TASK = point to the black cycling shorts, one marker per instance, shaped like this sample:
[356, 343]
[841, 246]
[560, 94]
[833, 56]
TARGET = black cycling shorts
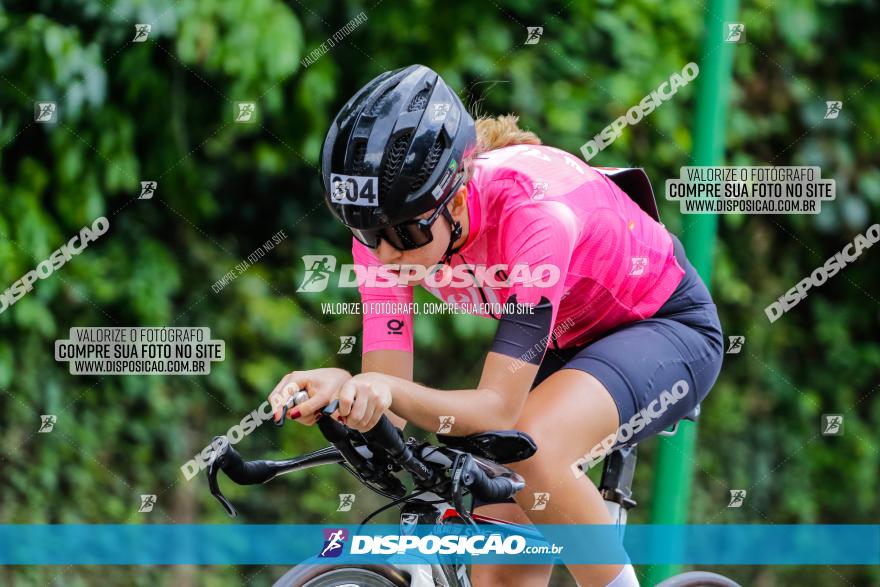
[637, 362]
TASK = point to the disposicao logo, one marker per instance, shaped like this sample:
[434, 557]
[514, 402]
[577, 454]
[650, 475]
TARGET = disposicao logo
[334, 541]
[320, 268]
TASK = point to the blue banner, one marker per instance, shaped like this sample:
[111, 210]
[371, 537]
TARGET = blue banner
[506, 544]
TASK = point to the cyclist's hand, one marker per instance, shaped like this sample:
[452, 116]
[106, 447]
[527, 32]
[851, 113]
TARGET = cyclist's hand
[322, 385]
[363, 400]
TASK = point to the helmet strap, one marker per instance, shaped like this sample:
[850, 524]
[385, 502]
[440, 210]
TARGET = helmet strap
[455, 234]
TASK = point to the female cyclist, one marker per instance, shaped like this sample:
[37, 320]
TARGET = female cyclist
[604, 321]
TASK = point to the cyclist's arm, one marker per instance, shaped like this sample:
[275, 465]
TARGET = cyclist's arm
[387, 326]
[398, 364]
[495, 404]
[507, 377]
[538, 236]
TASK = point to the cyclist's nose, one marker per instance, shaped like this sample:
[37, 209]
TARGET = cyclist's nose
[387, 253]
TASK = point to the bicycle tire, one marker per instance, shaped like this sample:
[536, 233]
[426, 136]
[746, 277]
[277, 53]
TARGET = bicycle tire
[336, 576]
[698, 579]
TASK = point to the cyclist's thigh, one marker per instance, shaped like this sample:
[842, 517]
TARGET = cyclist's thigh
[503, 575]
[656, 370]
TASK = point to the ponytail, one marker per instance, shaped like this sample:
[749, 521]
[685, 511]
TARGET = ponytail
[497, 132]
[502, 131]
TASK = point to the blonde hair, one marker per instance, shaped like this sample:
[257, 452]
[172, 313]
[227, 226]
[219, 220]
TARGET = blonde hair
[496, 132]
[502, 131]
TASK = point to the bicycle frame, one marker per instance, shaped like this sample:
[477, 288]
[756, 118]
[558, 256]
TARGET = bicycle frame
[427, 509]
[615, 486]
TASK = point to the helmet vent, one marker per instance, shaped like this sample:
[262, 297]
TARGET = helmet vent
[430, 163]
[394, 161]
[419, 101]
[380, 101]
[357, 162]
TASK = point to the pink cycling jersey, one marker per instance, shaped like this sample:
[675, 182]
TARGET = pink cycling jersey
[533, 209]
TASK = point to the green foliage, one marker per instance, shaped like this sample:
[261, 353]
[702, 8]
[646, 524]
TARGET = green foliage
[163, 110]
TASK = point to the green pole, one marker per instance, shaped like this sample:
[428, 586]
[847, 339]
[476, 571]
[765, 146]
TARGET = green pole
[675, 464]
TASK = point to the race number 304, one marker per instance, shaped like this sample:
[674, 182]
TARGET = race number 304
[355, 190]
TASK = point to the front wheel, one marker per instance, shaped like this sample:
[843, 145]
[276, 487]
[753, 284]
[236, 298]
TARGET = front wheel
[335, 576]
[698, 579]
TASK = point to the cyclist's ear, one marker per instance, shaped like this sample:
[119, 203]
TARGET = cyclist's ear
[458, 204]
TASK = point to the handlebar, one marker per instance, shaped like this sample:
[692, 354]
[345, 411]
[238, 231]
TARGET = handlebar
[489, 489]
[373, 457]
[473, 476]
[389, 437]
[244, 472]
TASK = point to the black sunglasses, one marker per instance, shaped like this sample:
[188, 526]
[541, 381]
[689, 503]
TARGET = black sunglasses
[408, 235]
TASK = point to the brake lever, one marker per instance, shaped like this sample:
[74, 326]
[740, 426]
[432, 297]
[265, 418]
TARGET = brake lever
[213, 467]
[462, 461]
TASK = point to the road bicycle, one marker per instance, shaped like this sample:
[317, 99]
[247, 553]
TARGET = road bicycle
[443, 476]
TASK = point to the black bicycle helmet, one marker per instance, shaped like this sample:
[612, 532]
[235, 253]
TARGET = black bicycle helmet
[395, 149]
